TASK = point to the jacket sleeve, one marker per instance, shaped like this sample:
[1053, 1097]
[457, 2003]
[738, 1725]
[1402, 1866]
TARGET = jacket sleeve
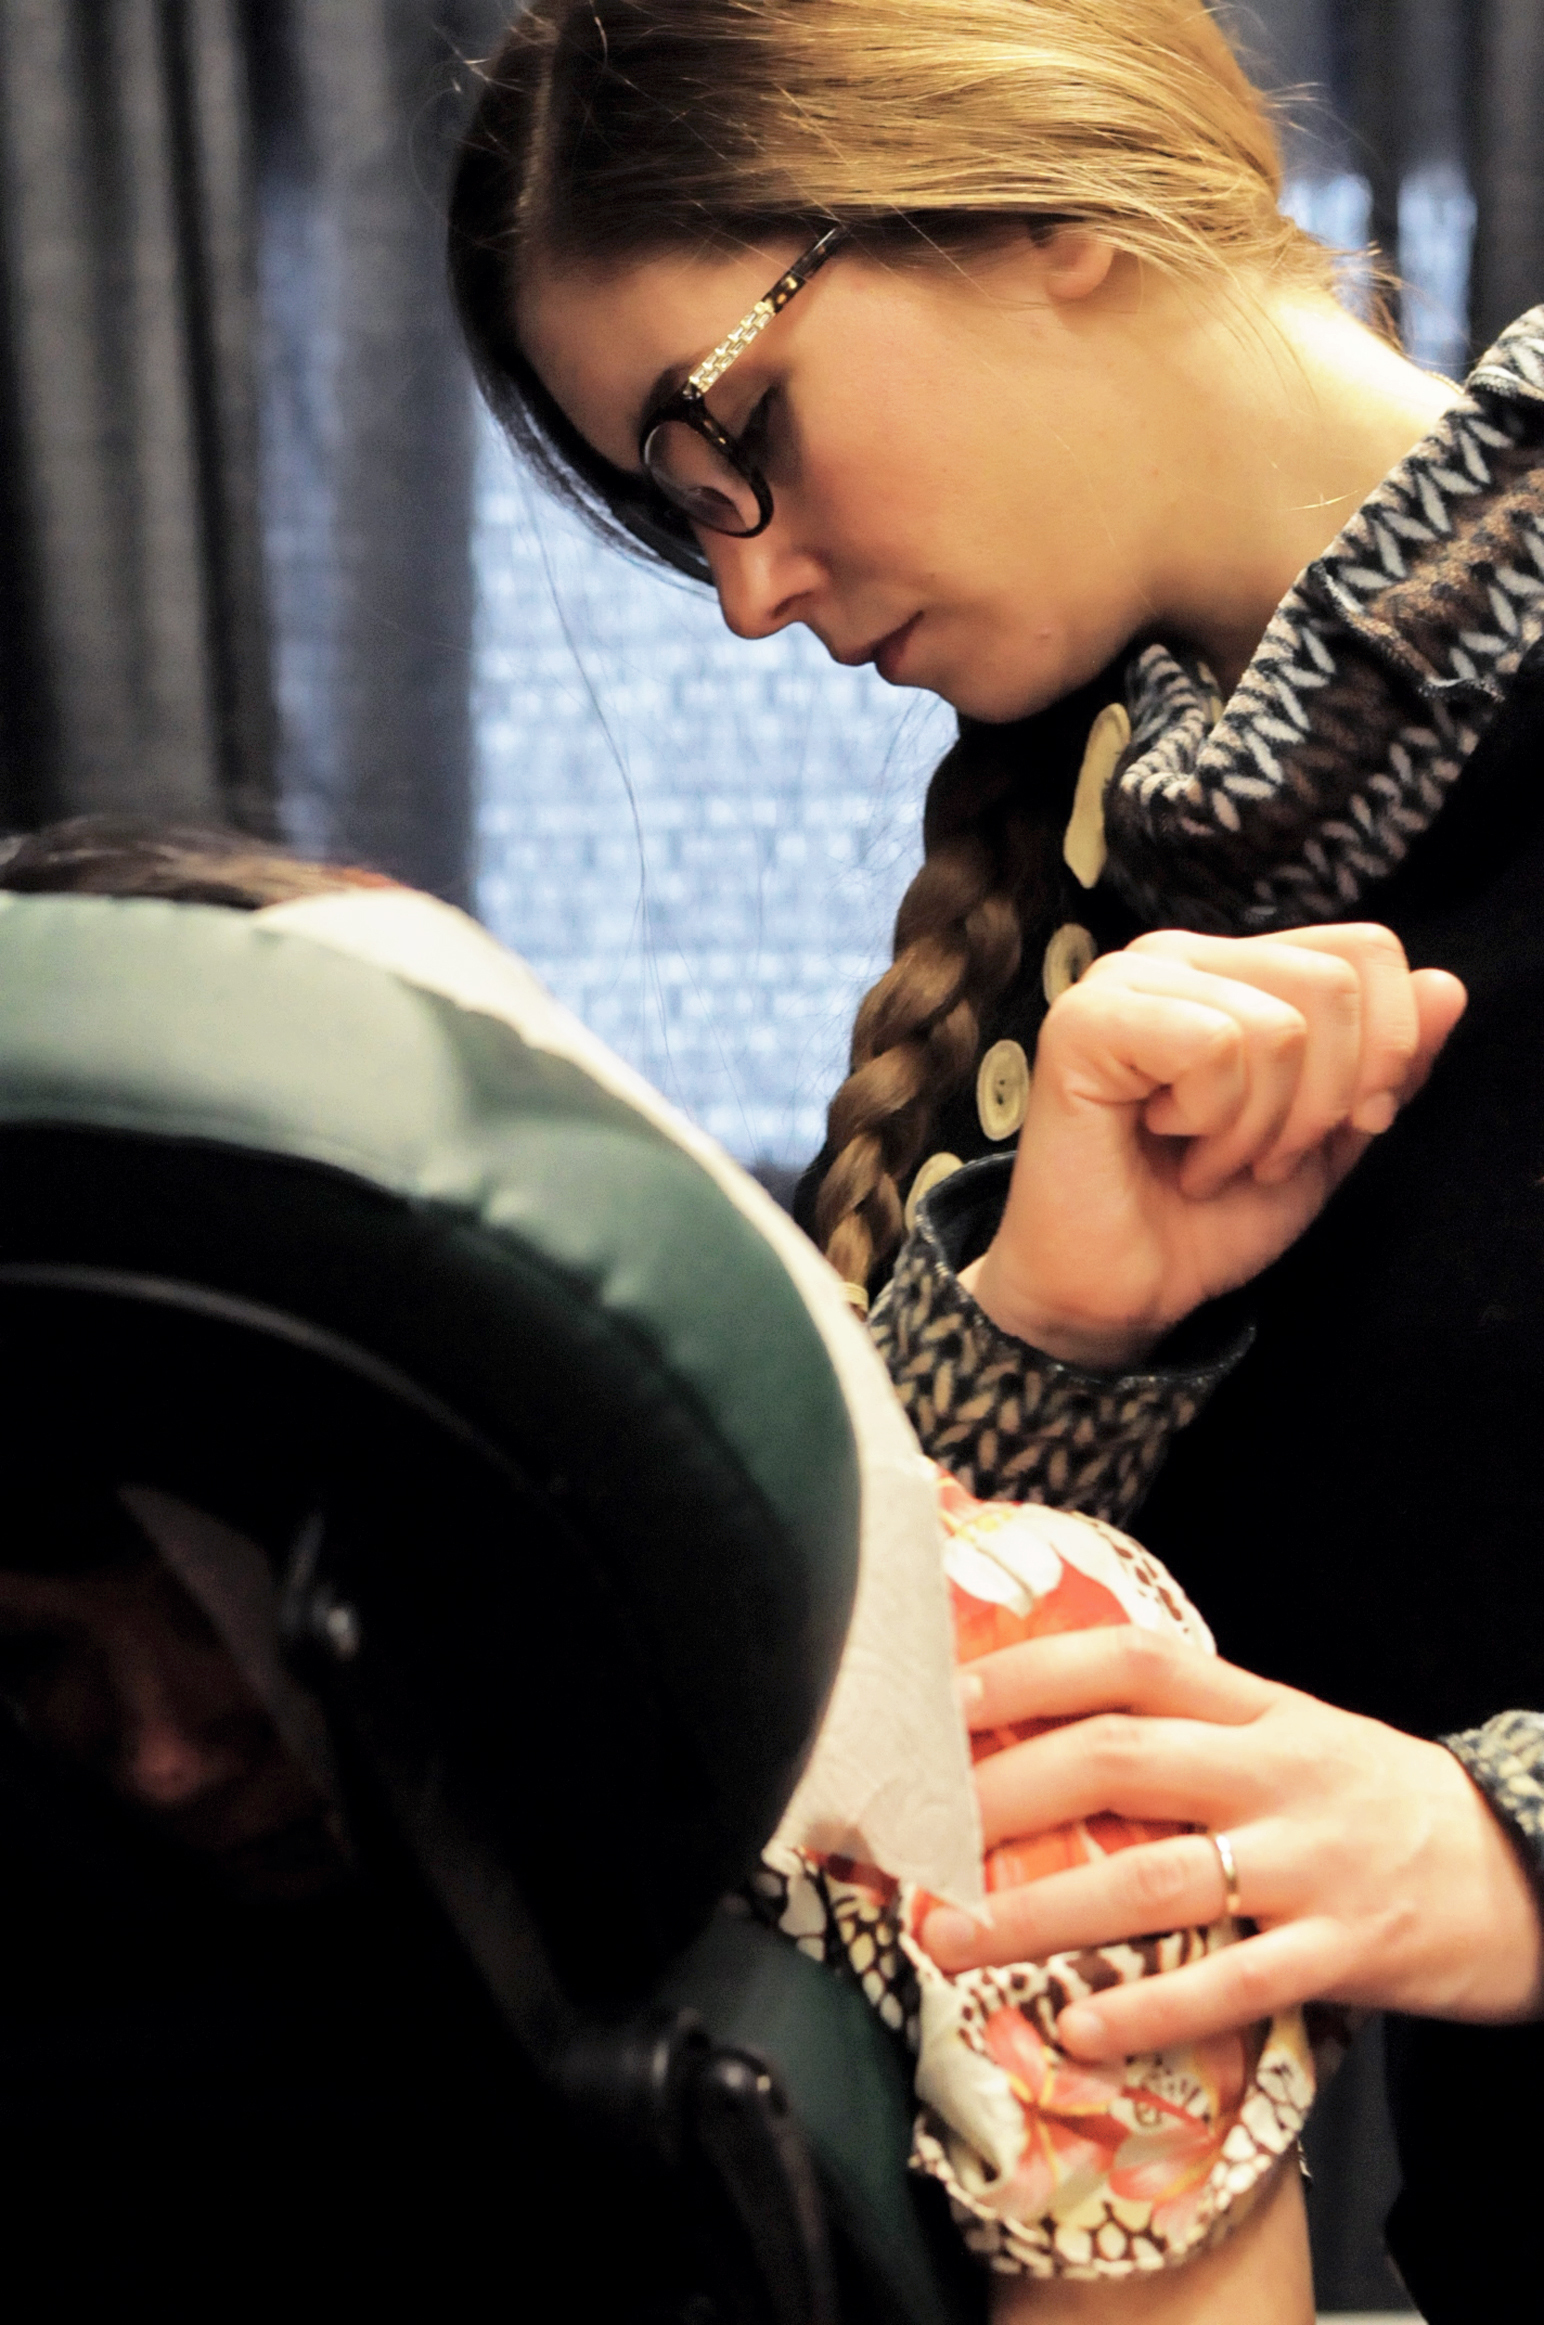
[1011, 1423]
[1506, 1760]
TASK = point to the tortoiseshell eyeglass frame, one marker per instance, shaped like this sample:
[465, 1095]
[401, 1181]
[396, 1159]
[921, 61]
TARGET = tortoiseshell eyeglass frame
[688, 403]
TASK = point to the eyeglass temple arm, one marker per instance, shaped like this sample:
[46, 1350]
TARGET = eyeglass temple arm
[714, 366]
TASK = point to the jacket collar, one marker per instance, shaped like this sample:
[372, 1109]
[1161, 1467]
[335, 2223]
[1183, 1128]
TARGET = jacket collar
[1376, 680]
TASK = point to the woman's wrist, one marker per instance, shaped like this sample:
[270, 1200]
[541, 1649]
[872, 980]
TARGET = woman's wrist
[1094, 1344]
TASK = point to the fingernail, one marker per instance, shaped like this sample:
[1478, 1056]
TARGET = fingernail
[971, 1689]
[946, 1932]
[1376, 1114]
[1080, 2029]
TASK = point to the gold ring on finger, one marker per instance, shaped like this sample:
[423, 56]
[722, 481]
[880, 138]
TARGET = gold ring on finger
[1229, 1863]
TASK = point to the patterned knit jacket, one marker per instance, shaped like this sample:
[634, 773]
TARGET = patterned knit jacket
[1344, 1465]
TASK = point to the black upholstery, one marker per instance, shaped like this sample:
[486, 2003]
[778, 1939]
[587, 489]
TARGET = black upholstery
[484, 1358]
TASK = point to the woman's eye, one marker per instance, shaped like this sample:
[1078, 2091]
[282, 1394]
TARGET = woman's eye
[25, 1658]
[754, 436]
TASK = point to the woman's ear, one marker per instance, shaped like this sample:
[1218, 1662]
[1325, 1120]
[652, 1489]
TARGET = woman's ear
[1075, 262]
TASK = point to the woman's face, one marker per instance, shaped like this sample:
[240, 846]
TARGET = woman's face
[959, 498]
[121, 1673]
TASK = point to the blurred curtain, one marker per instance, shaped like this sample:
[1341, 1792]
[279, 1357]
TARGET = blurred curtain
[1508, 162]
[235, 428]
[131, 587]
[1438, 107]
[367, 479]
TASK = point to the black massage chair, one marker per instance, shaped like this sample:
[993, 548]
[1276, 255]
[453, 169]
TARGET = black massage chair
[558, 1492]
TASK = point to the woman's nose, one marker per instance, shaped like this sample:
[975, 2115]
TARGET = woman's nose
[166, 1763]
[763, 584]
[175, 1740]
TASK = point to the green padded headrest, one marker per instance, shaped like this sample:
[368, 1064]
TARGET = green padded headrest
[282, 1228]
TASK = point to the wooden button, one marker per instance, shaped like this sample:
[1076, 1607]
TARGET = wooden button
[1002, 1089]
[933, 1173]
[1083, 847]
[1070, 951]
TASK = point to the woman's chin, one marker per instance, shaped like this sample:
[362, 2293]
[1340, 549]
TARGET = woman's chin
[303, 1860]
[998, 694]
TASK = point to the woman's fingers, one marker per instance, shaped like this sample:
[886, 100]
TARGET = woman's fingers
[1126, 1668]
[1238, 1986]
[1390, 1023]
[1440, 1001]
[1186, 1123]
[1291, 1060]
[1256, 1050]
[1133, 1027]
[1175, 1883]
[1208, 1058]
[1116, 1764]
[1328, 1059]
[1169, 1884]
[1407, 1014]
[1377, 1869]
[1353, 989]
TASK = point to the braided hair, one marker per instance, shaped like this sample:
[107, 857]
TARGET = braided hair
[959, 937]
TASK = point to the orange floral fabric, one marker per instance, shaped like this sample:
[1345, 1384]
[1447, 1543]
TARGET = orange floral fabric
[1055, 2168]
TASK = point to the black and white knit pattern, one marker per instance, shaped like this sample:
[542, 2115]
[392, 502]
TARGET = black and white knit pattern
[1011, 1423]
[1371, 688]
[1506, 1759]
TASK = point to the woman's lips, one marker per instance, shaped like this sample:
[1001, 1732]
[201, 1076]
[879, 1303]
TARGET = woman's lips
[891, 652]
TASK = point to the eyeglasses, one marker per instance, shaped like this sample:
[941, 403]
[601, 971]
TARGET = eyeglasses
[703, 471]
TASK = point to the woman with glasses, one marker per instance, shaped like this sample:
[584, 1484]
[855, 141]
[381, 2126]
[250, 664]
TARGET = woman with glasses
[1049, 410]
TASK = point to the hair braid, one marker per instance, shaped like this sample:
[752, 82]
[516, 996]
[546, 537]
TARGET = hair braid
[958, 939]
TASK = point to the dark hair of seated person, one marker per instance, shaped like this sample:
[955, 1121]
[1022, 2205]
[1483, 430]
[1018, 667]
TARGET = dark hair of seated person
[121, 855]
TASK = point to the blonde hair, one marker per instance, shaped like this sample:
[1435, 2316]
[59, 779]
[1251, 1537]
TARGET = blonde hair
[611, 128]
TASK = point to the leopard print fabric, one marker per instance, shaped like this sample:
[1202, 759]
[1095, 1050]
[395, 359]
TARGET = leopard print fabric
[1506, 1759]
[1052, 2167]
[841, 1916]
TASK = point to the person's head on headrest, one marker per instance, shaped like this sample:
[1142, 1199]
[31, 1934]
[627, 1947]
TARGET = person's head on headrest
[122, 855]
[107, 1657]
[110, 1663]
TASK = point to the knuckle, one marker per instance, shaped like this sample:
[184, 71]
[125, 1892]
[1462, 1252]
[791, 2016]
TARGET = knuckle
[1325, 973]
[1087, 998]
[1145, 1655]
[1284, 1034]
[1252, 1980]
[1219, 1040]
[1341, 983]
[1104, 980]
[1116, 1740]
[1401, 1046]
[1158, 1880]
[1069, 1032]
[1377, 943]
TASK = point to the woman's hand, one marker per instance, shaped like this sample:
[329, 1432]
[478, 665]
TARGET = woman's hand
[1195, 1102]
[1371, 1864]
